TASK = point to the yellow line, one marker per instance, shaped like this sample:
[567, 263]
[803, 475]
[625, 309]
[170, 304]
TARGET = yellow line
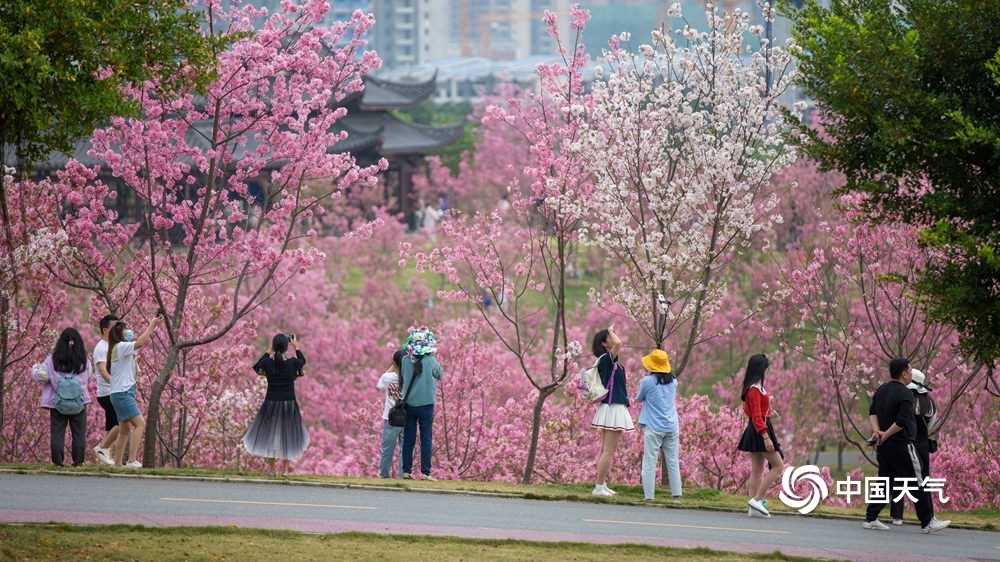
[264, 503]
[688, 526]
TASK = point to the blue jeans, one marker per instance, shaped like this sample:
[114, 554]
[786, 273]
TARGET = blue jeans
[424, 416]
[392, 438]
[655, 443]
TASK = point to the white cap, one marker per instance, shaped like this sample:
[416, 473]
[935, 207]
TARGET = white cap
[917, 382]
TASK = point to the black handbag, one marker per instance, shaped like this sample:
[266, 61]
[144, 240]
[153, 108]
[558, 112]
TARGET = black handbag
[397, 414]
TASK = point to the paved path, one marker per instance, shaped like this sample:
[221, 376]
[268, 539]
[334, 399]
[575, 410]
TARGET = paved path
[327, 509]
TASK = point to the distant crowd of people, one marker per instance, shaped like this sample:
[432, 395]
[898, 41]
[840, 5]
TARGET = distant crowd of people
[900, 416]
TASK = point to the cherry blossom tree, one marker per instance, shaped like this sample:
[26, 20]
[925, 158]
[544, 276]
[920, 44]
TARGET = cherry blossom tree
[517, 258]
[226, 180]
[682, 138]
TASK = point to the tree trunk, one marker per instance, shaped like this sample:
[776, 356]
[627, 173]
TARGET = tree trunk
[536, 422]
[4, 337]
[153, 413]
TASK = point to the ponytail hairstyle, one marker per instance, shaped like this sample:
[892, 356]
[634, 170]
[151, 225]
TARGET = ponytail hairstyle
[397, 359]
[116, 335]
[280, 346]
[597, 344]
[419, 342]
[69, 356]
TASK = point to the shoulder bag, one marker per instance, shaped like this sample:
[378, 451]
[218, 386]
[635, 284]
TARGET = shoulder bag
[397, 414]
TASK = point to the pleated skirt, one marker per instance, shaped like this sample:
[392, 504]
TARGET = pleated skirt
[278, 431]
[752, 442]
[615, 417]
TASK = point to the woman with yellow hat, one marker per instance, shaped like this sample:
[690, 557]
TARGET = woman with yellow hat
[660, 423]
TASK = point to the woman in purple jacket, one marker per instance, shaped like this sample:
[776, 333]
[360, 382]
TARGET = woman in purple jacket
[68, 360]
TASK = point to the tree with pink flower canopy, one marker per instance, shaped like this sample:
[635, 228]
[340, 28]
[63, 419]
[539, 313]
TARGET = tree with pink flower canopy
[515, 258]
[226, 179]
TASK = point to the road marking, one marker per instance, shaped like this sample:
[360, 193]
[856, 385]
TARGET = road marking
[688, 526]
[197, 500]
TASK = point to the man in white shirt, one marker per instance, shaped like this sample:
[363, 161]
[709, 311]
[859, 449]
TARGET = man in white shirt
[103, 449]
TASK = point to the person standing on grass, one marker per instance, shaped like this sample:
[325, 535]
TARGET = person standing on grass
[67, 361]
[612, 418]
[122, 364]
[758, 438]
[420, 369]
[660, 424]
[925, 414]
[392, 437]
[103, 378]
[278, 432]
[891, 417]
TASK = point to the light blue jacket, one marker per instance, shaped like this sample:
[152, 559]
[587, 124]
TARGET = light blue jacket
[659, 411]
[424, 386]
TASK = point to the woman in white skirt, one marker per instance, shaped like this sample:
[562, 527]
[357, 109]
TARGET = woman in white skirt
[612, 417]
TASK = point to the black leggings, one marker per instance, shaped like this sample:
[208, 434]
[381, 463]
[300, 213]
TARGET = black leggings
[57, 436]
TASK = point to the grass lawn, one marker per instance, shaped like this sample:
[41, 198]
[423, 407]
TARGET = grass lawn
[120, 542]
[694, 498]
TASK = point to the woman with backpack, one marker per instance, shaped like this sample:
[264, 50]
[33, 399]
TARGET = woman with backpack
[64, 376]
[612, 417]
[421, 371]
[278, 431]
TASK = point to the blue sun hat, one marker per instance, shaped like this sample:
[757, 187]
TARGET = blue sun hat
[420, 341]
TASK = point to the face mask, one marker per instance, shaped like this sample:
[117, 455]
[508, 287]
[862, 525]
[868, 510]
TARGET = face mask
[129, 335]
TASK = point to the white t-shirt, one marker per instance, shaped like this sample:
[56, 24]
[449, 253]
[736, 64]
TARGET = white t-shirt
[101, 356]
[389, 382]
[122, 367]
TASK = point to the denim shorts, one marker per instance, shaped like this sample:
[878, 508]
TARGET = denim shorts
[124, 403]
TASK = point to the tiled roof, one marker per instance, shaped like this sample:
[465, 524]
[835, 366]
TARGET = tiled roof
[368, 125]
[394, 136]
[383, 94]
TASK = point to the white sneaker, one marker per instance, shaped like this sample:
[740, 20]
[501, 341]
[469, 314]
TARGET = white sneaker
[600, 490]
[758, 507]
[613, 493]
[935, 525]
[876, 525]
[103, 455]
[751, 512]
[133, 464]
[897, 521]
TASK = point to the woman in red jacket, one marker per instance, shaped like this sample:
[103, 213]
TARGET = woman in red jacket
[758, 438]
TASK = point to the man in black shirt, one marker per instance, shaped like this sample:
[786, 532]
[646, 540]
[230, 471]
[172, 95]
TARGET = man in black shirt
[893, 429]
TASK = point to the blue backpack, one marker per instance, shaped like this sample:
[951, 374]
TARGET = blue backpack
[69, 396]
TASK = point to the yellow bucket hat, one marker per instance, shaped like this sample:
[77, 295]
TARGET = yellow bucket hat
[657, 362]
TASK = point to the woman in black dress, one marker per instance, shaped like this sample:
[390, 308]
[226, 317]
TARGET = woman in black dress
[278, 431]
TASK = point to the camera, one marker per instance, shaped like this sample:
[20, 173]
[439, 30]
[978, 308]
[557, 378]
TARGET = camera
[290, 336]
